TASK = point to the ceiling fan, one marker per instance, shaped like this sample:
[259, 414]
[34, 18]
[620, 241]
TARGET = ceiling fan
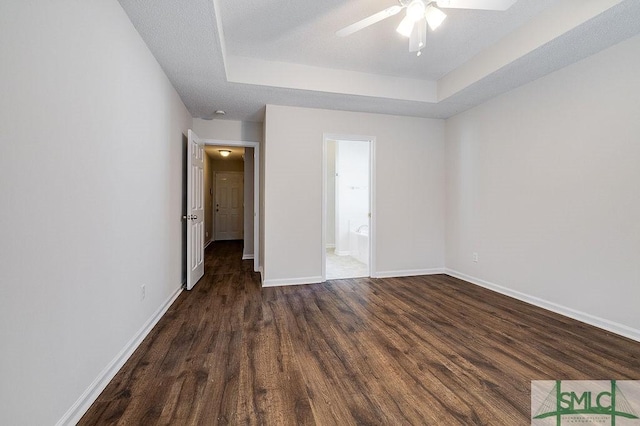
[419, 14]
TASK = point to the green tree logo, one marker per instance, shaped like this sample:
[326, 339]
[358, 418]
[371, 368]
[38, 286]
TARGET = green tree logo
[611, 402]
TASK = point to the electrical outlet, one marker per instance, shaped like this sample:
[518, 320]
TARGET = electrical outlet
[143, 291]
[475, 257]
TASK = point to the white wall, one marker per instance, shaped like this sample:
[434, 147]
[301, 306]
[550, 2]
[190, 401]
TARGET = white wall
[409, 198]
[262, 174]
[330, 234]
[544, 182]
[91, 149]
[208, 199]
[249, 173]
[231, 130]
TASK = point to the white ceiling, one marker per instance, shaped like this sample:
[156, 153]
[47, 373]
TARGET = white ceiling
[303, 32]
[238, 55]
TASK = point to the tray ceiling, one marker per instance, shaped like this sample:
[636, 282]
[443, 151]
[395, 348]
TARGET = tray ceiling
[239, 55]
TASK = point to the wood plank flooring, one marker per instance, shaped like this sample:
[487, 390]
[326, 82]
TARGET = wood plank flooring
[428, 350]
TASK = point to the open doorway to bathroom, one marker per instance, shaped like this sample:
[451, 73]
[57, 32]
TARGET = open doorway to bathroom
[347, 208]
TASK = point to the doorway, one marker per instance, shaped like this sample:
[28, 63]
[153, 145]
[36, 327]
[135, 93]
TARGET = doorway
[347, 246]
[228, 197]
[248, 196]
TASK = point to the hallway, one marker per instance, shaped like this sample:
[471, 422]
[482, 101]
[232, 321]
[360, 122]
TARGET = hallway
[187, 369]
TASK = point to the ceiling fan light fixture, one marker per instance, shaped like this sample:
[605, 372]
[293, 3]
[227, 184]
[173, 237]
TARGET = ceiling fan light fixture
[434, 17]
[416, 10]
[422, 15]
[406, 27]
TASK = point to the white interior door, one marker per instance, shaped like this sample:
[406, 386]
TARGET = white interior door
[229, 198]
[195, 210]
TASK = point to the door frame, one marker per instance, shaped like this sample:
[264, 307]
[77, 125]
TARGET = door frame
[256, 191]
[372, 194]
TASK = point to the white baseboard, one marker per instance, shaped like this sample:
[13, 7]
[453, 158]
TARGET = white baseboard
[208, 242]
[331, 246]
[407, 273]
[602, 323]
[247, 256]
[291, 281]
[77, 410]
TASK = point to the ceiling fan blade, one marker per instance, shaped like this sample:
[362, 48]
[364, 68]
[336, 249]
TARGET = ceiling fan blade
[476, 4]
[348, 30]
[418, 37]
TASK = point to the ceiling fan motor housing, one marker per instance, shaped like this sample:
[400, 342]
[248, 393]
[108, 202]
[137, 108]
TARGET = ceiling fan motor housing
[416, 9]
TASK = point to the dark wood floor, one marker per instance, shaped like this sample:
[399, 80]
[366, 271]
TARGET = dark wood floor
[423, 350]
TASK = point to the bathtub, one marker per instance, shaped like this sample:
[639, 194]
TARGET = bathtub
[360, 239]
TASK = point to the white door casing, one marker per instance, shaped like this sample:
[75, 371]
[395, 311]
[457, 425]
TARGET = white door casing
[229, 199]
[195, 210]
